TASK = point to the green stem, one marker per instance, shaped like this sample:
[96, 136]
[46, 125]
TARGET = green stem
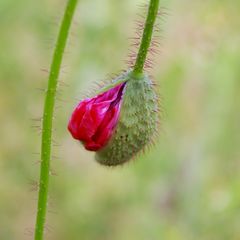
[48, 117]
[147, 37]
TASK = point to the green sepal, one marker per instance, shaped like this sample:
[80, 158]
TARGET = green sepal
[138, 121]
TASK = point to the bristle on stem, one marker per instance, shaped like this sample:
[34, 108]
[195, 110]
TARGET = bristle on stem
[146, 37]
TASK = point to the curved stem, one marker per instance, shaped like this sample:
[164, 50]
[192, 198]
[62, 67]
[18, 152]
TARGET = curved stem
[147, 37]
[48, 116]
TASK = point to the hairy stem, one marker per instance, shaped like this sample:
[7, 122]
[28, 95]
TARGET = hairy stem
[147, 37]
[48, 117]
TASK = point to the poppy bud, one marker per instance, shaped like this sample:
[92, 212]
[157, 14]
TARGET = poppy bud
[118, 123]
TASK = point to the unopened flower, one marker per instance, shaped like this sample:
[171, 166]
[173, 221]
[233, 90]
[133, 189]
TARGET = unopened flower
[120, 122]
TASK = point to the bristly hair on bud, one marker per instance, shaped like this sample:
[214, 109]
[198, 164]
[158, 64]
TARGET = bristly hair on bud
[123, 117]
[137, 124]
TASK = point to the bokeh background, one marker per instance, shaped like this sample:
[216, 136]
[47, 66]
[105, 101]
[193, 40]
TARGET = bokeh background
[186, 187]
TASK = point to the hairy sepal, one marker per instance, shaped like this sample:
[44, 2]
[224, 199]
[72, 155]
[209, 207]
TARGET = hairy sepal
[138, 122]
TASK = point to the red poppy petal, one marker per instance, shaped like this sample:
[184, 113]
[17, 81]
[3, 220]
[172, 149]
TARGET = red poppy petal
[92, 146]
[106, 128]
[98, 110]
[87, 127]
[94, 120]
[111, 94]
[76, 118]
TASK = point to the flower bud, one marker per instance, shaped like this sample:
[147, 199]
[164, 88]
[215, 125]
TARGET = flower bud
[118, 123]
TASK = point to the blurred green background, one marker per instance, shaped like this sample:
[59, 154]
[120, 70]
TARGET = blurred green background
[185, 188]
